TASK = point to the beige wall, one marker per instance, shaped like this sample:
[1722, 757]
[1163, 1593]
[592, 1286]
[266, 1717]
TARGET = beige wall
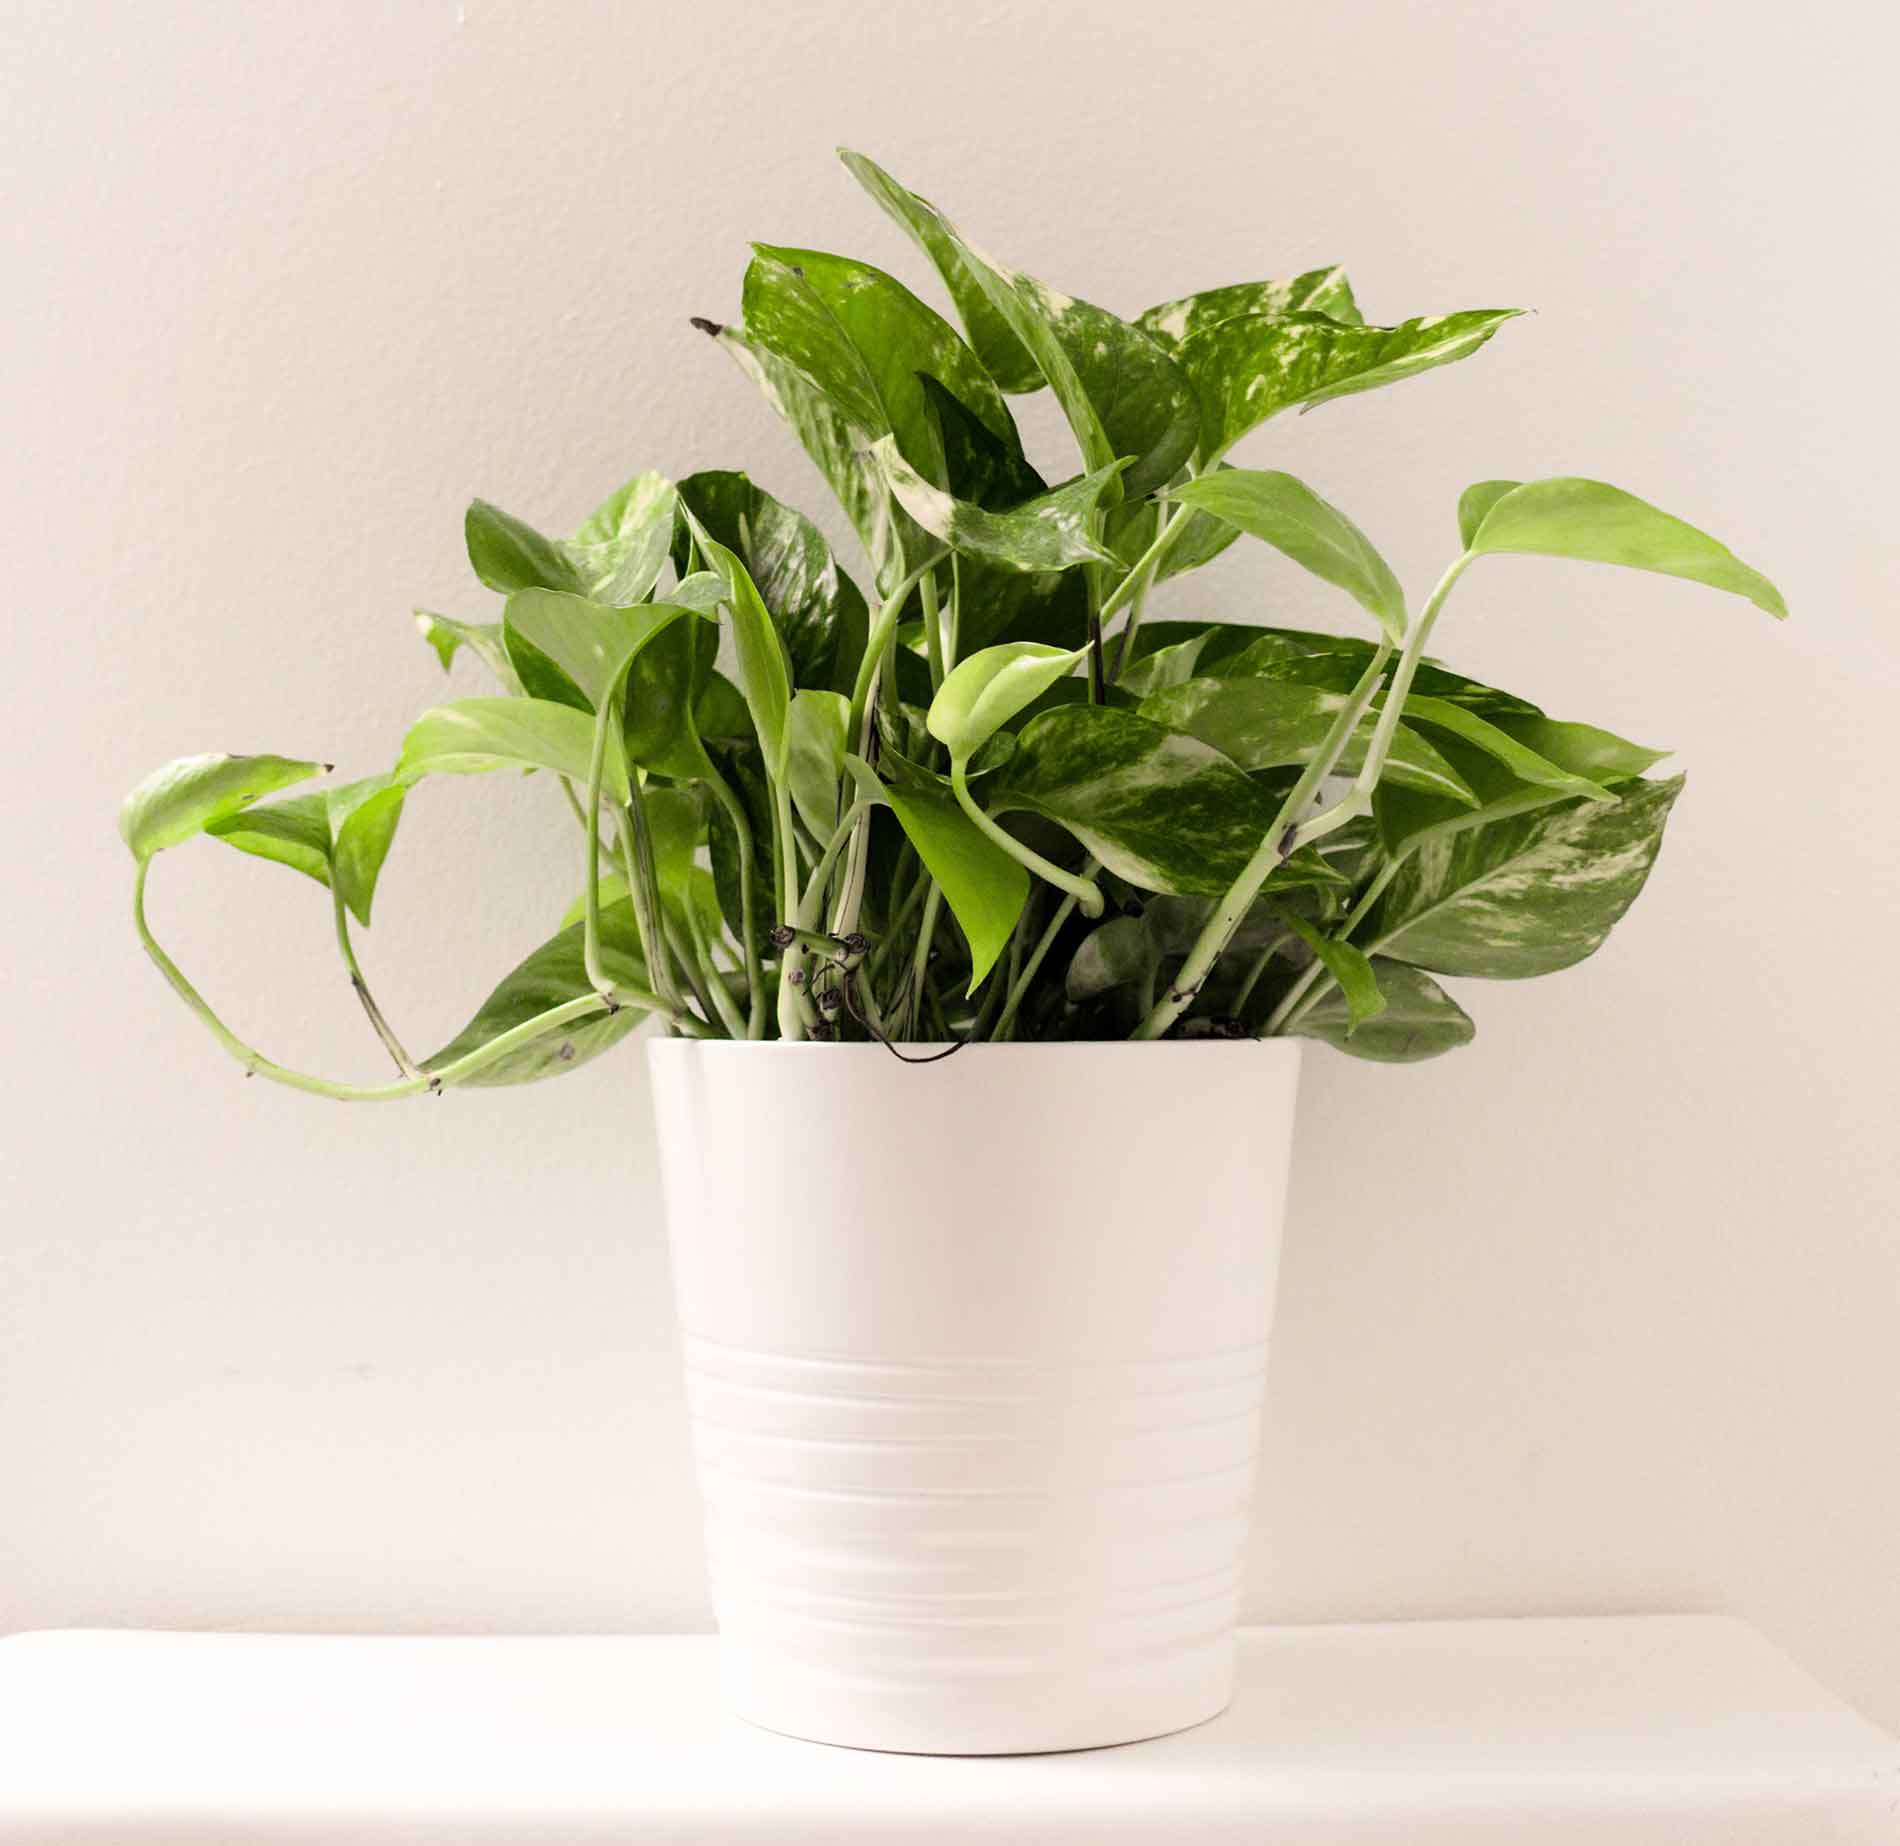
[1600, 1314]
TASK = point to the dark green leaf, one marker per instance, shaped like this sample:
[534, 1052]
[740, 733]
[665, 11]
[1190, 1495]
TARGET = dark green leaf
[1420, 1020]
[1118, 953]
[509, 555]
[1567, 517]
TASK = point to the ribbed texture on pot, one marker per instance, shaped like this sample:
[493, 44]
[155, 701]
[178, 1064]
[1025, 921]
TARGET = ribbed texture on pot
[975, 1480]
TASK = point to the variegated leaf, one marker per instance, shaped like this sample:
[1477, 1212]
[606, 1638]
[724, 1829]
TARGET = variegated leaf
[621, 547]
[1317, 291]
[1419, 1019]
[1524, 896]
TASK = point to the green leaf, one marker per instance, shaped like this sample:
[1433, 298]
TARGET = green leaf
[1173, 665]
[1581, 748]
[670, 676]
[1118, 953]
[984, 887]
[339, 835]
[835, 449]
[1318, 291]
[1288, 515]
[473, 736]
[983, 692]
[1272, 724]
[622, 545]
[863, 338]
[817, 724]
[1567, 517]
[482, 639]
[1201, 539]
[1420, 1020]
[1253, 366]
[1523, 896]
[1475, 502]
[508, 555]
[1518, 757]
[817, 609]
[295, 833]
[1353, 973]
[555, 973]
[1048, 533]
[186, 796]
[587, 643]
[1161, 810]
[763, 677]
[1004, 356]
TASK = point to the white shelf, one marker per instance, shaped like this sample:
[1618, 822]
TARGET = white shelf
[1684, 1730]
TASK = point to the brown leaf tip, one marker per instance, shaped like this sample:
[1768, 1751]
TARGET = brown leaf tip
[711, 328]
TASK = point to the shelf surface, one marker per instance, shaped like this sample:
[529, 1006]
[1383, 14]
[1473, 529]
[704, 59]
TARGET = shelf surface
[1684, 1730]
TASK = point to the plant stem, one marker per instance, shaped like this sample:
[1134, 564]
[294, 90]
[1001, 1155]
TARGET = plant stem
[793, 1010]
[1087, 894]
[926, 931]
[470, 1064]
[1273, 849]
[1135, 586]
[741, 824]
[877, 643]
[643, 888]
[391, 1043]
[1019, 987]
[933, 632]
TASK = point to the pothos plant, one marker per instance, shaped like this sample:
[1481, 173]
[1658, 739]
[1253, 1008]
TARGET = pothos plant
[992, 800]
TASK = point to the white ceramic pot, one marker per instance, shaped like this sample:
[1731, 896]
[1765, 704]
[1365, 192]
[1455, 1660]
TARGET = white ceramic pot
[975, 1354]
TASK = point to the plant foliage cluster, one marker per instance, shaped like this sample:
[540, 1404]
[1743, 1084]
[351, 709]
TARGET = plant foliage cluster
[984, 797]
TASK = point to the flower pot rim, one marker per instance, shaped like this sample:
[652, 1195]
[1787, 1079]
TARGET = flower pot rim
[922, 1049]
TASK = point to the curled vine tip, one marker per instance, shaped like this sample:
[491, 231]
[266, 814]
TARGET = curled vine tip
[857, 943]
[710, 328]
[781, 935]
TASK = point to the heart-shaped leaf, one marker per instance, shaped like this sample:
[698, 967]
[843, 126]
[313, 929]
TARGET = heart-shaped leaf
[1567, 517]
[1318, 291]
[338, 836]
[587, 644]
[1292, 518]
[1048, 533]
[1254, 366]
[1522, 896]
[508, 554]
[186, 796]
[763, 676]
[1419, 1019]
[982, 693]
[474, 736]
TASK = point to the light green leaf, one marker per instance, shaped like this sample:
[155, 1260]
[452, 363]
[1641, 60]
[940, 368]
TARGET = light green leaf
[1518, 757]
[984, 887]
[188, 795]
[817, 725]
[622, 545]
[613, 890]
[1003, 355]
[1567, 517]
[1581, 748]
[587, 643]
[1161, 810]
[1048, 533]
[1420, 1020]
[1318, 291]
[1173, 665]
[763, 676]
[1475, 502]
[295, 833]
[1353, 973]
[816, 608]
[1524, 896]
[1253, 366]
[982, 693]
[482, 639]
[1288, 515]
[339, 835]
[555, 973]
[1273, 723]
[473, 736]
[509, 555]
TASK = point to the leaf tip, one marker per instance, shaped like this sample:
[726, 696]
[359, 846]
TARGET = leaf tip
[710, 328]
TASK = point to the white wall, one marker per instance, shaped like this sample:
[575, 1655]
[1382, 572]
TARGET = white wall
[1599, 1314]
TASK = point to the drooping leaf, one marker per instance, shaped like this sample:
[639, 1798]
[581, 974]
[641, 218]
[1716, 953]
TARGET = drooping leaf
[818, 723]
[1288, 515]
[1317, 291]
[983, 692]
[1254, 366]
[1161, 810]
[555, 973]
[1003, 355]
[1419, 1020]
[1567, 517]
[363, 817]
[1523, 896]
[1048, 533]
[984, 887]
[508, 555]
[817, 609]
[1270, 723]
[763, 677]
[1357, 982]
[473, 736]
[295, 833]
[622, 545]
[186, 796]
[482, 639]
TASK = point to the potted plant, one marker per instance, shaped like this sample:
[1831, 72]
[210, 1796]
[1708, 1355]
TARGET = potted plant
[976, 1370]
